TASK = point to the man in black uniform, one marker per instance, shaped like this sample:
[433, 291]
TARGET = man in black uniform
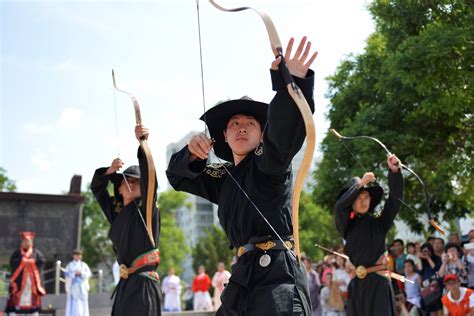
[138, 292]
[266, 279]
[370, 293]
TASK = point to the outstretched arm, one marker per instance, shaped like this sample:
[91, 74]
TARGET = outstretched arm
[285, 131]
[395, 185]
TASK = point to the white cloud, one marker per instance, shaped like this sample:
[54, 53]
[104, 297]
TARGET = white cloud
[41, 159]
[70, 116]
[38, 129]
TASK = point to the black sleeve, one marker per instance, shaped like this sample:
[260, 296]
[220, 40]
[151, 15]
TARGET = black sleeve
[15, 260]
[39, 259]
[285, 131]
[392, 205]
[195, 177]
[343, 208]
[99, 189]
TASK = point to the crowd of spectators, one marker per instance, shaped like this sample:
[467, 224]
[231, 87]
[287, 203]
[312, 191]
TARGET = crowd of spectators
[440, 276]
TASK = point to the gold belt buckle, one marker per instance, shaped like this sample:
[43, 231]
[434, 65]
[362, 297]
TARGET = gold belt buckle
[123, 271]
[265, 245]
[240, 251]
[361, 272]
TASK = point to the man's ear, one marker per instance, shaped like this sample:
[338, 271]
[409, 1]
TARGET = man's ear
[225, 135]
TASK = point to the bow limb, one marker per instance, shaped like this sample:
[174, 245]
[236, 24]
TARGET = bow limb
[303, 106]
[150, 164]
[431, 219]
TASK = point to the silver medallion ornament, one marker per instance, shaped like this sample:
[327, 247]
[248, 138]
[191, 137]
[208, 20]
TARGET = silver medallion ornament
[265, 260]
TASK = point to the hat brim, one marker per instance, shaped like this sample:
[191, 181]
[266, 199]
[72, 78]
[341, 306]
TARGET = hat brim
[375, 192]
[116, 180]
[217, 117]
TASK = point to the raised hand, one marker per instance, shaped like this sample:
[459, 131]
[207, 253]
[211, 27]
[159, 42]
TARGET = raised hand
[116, 164]
[368, 177]
[299, 64]
[393, 163]
[199, 146]
[141, 132]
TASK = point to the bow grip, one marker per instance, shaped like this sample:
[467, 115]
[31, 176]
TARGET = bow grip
[285, 73]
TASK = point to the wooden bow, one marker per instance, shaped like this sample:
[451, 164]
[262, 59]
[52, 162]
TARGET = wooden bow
[151, 166]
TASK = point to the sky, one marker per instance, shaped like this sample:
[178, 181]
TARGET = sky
[59, 115]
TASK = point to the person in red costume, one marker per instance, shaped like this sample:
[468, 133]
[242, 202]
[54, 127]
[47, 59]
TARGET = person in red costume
[25, 288]
[201, 285]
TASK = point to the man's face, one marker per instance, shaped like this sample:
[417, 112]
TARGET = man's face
[134, 191]
[77, 256]
[438, 245]
[452, 285]
[454, 238]
[362, 203]
[26, 243]
[243, 134]
[398, 247]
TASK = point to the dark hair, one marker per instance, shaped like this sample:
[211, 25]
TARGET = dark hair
[430, 248]
[453, 245]
[411, 244]
[438, 238]
[398, 240]
[410, 261]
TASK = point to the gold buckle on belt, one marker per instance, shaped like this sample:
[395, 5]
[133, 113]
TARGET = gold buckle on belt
[123, 271]
[361, 272]
[265, 245]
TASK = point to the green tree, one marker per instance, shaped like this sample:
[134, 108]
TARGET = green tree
[412, 89]
[173, 247]
[316, 226]
[6, 184]
[211, 249]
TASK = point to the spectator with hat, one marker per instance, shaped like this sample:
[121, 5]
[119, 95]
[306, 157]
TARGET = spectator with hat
[77, 286]
[459, 301]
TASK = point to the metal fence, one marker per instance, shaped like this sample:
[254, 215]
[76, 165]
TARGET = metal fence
[96, 280]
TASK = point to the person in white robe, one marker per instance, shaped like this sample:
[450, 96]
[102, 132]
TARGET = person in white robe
[220, 278]
[77, 286]
[172, 291]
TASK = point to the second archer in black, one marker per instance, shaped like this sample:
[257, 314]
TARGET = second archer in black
[138, 292]
[370, 293]
[261, 141]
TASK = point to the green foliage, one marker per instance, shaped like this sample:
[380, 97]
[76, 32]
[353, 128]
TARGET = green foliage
[173, 247]
[412, 89]
[6, 184]
[211, 249]
[316, 226]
